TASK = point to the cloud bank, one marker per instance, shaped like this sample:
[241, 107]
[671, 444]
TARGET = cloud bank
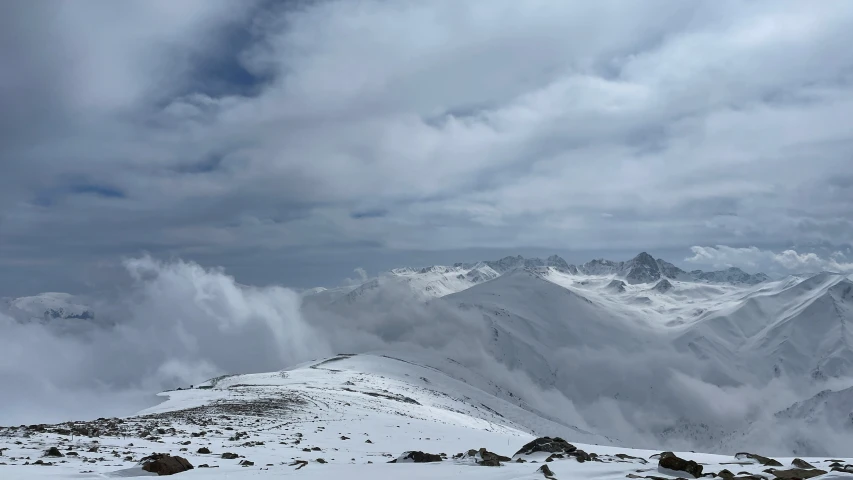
[231, 133]
[786, 261]
[175, 323]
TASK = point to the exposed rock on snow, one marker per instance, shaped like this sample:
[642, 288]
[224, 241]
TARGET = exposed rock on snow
[800, 463]
[662, 286]
[165, 464]
[546, 444]
[767, 462]
[417, 457]
[670, 461]
[796, 473]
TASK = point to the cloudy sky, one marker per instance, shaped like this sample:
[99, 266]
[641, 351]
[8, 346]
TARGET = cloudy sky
[293, 141]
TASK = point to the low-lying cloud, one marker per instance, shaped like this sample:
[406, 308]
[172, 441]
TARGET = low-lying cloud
[785, 261]
[175, 323]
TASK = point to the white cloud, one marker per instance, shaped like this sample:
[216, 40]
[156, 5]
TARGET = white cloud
[483, 124]
[753, 258]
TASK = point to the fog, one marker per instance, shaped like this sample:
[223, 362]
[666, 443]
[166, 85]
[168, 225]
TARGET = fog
[173, 324]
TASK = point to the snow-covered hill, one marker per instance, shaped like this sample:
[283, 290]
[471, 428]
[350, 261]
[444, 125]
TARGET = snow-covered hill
[344, 417]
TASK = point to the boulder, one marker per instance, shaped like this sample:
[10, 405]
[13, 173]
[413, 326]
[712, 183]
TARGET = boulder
[767, 462]
[800, 463]
[165, 464]
[545, 471]
[673, 462]
[203, 450]
[490, 459]
[547, 445]
[53, 452]
[229, 456]
[797, 473]
[417, 457]
[580, 456]
[725, 474]
[623, 456]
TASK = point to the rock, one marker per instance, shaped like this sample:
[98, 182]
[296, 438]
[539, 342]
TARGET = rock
[845, 468]
[624, 456]
[368, 441]
[767, 462]
[616, 285]
[797, 473]
[580, 456]
[71, 454]
[246, 463]
[545, 471]
[548, 445]
[417, 457]
[165, 464]
[53, 452]
[203, 450]
[662, 286]
[658, 456]
[320, 460]
[490, 459]
[93, 449]
[673, 462]
[343, 437]
[203, 465]
[726, 474]
[229, 456]
[800, 463]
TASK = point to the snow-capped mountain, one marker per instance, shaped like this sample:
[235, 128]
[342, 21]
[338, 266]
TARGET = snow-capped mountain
[437, 281]
[47, 307]
[800, 328]
[725, 328]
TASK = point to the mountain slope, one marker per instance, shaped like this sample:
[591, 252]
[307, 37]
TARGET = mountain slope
[800, 328]
[342, 417]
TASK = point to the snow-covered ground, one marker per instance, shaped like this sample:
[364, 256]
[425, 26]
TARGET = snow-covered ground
[346, 416]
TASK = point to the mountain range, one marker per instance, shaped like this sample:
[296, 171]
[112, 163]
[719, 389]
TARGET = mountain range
[632, 353]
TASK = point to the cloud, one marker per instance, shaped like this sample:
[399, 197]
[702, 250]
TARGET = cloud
[254, 126]
[361, 277]
[755, 259]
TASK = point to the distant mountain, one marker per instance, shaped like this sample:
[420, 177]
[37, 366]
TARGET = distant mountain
[47, 307]
[438, 280]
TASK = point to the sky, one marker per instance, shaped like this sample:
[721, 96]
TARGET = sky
[292, 142]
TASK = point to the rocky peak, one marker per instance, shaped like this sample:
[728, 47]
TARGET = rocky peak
[662, 286]
[561, 265]
[642, 269]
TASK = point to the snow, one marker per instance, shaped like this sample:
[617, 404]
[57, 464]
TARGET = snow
[336, 405]
[47, 306]
[541, 317]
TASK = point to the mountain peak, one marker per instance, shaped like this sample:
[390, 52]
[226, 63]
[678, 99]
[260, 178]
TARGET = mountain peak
[642, 269]
[644, 257]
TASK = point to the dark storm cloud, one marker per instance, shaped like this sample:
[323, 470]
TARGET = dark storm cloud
[215, 128]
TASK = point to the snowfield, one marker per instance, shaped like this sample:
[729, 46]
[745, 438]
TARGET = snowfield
[344, 417]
